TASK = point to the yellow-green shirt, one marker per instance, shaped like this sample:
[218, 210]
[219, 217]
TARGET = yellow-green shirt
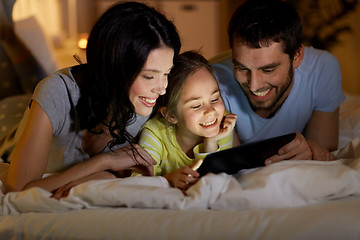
[158, 137]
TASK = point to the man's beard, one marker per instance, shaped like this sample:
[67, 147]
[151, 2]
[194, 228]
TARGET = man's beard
[275, 105]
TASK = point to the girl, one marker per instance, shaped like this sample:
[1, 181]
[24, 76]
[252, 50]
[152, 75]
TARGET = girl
[191, 122]
[81, 121]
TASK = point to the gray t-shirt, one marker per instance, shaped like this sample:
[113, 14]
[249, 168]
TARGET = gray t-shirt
[57, 95]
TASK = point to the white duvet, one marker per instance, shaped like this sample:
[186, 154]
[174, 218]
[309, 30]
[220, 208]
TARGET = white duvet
[285, 184]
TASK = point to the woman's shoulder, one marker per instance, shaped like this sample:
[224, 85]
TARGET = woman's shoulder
[58, 84]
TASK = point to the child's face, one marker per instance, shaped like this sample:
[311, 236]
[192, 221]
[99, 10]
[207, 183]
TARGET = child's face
[200, 108]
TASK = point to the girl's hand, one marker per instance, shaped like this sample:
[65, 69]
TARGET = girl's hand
[135, 159]
[226, 127]
[182, 178]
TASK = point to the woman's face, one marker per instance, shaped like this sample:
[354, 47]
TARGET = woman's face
[152, 80]
[200, 109]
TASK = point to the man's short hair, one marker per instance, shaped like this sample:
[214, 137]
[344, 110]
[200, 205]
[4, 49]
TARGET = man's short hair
[260, 22]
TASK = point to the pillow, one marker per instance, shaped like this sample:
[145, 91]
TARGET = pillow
[349, 119]
[11, 111]
[9, 84]
[30, 32]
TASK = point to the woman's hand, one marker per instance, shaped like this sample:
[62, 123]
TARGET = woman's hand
[63, 191]
[135, 159]
[297, 149]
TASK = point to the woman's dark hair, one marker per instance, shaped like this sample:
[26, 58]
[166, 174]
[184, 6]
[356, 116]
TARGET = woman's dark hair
[259, 22]
[185, 65]
[118, 47]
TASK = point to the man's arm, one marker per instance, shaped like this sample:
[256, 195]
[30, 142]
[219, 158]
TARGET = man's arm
[323, 129]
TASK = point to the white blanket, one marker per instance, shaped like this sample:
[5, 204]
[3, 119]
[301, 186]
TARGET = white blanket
[284, 184]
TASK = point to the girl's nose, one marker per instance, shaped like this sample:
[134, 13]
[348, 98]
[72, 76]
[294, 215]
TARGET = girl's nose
[209, 110]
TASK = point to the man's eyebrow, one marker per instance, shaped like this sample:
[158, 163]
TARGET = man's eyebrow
[267, 66]
[271, 65]
[238, 64]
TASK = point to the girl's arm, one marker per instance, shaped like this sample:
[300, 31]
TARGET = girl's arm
[29, 160]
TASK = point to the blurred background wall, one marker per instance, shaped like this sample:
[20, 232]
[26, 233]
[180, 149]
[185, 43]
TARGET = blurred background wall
[202, 24]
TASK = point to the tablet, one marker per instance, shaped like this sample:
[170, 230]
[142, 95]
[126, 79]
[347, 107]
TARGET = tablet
[250, 155]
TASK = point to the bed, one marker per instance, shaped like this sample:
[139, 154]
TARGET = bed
[287, 200]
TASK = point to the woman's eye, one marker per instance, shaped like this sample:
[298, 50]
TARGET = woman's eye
[148, 77]
[196, 106]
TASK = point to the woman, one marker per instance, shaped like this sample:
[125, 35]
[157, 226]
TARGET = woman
[82, 120]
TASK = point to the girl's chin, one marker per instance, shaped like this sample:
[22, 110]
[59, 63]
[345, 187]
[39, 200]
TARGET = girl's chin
[212, 134]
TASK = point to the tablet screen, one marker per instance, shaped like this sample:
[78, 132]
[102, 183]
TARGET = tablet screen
[250, 155]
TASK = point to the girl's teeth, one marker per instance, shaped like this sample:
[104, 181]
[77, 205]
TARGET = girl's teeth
[261, 94]
[208, 123]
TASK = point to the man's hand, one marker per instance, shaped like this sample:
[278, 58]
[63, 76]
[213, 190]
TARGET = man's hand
[319, 153]
[297, 149]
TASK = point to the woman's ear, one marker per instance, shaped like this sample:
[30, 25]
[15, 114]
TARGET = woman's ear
[299, 55]
[171, 118]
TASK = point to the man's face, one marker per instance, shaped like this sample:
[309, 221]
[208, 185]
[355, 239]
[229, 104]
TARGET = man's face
[265, 75]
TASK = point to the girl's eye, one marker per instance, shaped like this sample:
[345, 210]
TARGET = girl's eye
[196, 106]
[215, 100]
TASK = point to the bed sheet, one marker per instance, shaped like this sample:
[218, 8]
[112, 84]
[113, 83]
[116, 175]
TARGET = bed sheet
[288, 200]
[329, 220]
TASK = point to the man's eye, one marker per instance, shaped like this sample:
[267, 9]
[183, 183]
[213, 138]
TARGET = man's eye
[270, 70]
[196, 106]
[242, 70]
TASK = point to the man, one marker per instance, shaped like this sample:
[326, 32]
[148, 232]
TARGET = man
[276, 85]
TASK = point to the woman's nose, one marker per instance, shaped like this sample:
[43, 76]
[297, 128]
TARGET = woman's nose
[161, 86]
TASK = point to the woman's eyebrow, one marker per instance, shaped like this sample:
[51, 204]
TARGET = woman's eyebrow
[155, 70]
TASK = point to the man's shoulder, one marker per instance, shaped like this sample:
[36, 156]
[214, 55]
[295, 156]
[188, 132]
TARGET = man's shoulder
[313, 58]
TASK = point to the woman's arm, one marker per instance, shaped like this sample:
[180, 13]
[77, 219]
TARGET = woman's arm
[29, 160]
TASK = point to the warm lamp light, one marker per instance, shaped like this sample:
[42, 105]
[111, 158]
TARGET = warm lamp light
[82, 43]
[82, 40]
